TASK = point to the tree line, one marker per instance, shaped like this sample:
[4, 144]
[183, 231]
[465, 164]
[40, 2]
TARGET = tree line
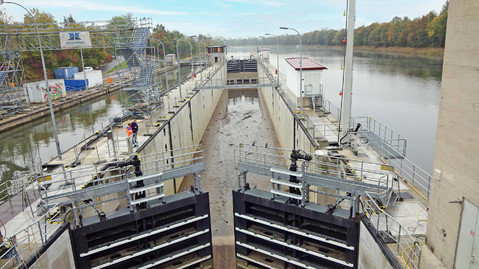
[422, 32]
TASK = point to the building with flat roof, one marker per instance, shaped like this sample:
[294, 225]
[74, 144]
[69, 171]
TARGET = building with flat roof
[216, 54]
[312, 72]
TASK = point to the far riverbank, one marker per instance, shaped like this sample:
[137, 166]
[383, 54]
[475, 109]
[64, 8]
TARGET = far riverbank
[400, 51]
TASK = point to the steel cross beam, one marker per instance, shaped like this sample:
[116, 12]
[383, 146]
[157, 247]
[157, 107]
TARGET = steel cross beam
[104, 34]
[323, 181]
[66, 197]
[239, 86]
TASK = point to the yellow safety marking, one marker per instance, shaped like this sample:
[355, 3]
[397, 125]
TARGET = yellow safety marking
[387, 167]
[54, 213]
[352, 170]
[47, 178]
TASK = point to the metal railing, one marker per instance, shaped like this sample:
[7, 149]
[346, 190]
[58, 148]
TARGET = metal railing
[22, 244]
[334, 166]
[361, 172]
[331, 108]
[12, 187]
[323, 130]
[413, 175]
[101, 126]
[16, 195]
[383, 139]
[408, 247]
[166, 160]
[66, 186]
[392, 146]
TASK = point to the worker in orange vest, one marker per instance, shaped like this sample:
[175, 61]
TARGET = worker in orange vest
[129, 130]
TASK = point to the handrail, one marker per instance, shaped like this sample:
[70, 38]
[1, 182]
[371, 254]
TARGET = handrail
[387, 225]
[83, 183]
[335, 173]
[392, 146]
[373, 127]
[26, 241]
[394, 154]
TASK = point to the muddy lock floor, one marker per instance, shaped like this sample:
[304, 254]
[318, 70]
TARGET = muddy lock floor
[240, 117]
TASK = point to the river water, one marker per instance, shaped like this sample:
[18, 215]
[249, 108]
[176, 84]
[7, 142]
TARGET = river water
[401, 92]
[33, 143]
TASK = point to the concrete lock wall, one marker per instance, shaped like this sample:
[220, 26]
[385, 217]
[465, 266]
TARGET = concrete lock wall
[288, 130]
[186, 127]
[58, 255]
[370, 254]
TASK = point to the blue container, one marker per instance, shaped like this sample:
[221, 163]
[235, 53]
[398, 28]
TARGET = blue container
[75, 84]
[65, 72]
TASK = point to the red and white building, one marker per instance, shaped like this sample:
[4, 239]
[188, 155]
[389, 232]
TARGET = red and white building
[312, 73]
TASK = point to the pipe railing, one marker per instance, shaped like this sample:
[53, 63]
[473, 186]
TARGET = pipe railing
[165, 160]
[68, 182]
[22, 244]
[355, 170]
[373, 128]
[331, 108]
[392, 146]
[407, 246]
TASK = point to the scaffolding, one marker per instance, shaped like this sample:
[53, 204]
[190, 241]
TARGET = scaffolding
[129, 36]
[143, 94]
[11, 77]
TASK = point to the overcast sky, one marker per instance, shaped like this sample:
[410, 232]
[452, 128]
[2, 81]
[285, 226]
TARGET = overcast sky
[232, 18]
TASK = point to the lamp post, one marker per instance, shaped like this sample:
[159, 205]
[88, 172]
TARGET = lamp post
[277, 54]
[199, 57]
[52, 113]
[199, 49]
[261, 38]
[300, 68]
[164, 62]
[178, 56]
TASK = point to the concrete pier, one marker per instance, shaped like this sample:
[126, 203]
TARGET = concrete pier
[453, 234]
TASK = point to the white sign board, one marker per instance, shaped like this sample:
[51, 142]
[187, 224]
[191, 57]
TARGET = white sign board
[75, 40]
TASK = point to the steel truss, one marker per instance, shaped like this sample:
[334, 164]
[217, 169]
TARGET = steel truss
[104, 34]
[11, 77]
[127, 36]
